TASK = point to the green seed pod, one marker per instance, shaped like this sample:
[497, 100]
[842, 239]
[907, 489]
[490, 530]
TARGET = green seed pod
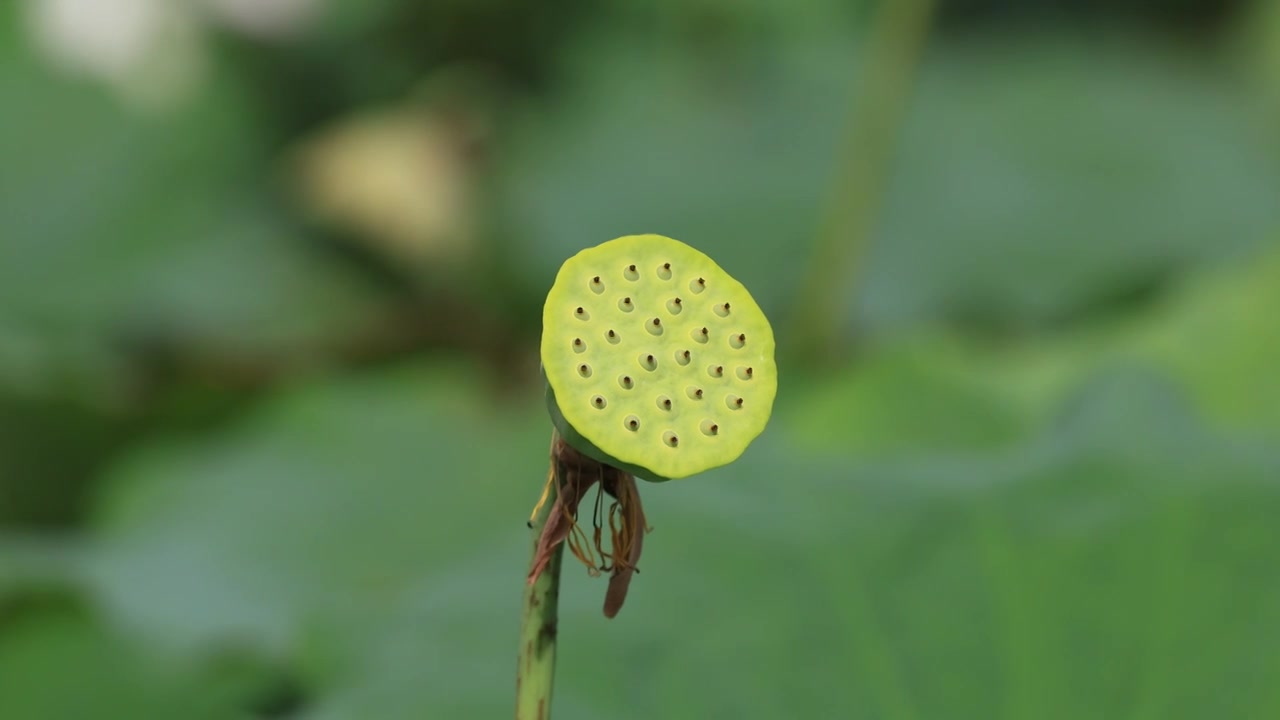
[656, 361]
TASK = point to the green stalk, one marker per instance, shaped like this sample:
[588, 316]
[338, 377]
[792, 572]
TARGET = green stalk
[894, 50]
[536, 666]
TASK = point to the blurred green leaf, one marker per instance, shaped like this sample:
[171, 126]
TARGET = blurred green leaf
[59, 665]
[1061, 174]
[1264, 30]
[49, 451]
[324, 509]
[125, 226]
[1220, 336]
[1215, 336]
[1086, 574]
[907, 398]
[1037, 179]
[1115, 562]
[1119, 564]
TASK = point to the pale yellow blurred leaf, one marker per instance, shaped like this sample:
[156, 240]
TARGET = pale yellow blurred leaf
[397, 178]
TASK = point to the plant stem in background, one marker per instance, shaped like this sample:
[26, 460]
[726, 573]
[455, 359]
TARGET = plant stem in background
[536, 664]
[896, 42]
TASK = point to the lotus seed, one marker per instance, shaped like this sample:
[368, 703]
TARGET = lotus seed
[682, 357]
[694, 393]
[625, 305]
[700, 335]
[733, 402]
[697, 286]
[737, 341]
[648, 363]
[722, 310]
[674, 306]
[632, 422]
[612, 337]
[625, 382]
[598, 401]
[584, 370]
[664, 272]
[744, 373]
[581, 313]
[597, 287]
[709, 428]
[670, 439]
[630, 273]
[664, 402]
[716, 371]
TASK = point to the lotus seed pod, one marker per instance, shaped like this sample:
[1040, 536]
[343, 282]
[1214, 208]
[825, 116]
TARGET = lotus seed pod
[656, 361]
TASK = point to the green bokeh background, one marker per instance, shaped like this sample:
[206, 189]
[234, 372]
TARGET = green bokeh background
[270, 418]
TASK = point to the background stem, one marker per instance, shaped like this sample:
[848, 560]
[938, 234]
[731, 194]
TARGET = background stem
[892, 57]
[535, 671]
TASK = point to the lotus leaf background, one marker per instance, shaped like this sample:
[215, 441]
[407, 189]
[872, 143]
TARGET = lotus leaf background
[270, 418]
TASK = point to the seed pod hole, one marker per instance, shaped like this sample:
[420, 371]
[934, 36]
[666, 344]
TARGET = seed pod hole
[683, 357]
[626, 382]
[722, 310]
[612, 337]
[709, 428]
[700, 335]
[675, 305]
[649, 362]
[598, 402]
[663, 402]
[596, 285]
[737, 341]
[631, 422]
[654, 326]
[670, 440]
[664, 272]
[625, 305]
[630, 273]
[745, 373]
[697, 286]
[584, 370]
[733, 402]
[579, 346]
[715, 370]
[581, 313]
[694, 393]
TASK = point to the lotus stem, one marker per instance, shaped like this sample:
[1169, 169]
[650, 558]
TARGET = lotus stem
[536, 663]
